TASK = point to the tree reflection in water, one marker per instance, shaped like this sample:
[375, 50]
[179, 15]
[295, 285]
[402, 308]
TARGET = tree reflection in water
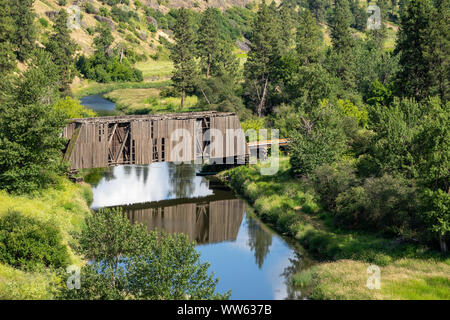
[259, 240]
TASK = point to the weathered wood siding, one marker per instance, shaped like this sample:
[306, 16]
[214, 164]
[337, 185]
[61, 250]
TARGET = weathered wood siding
[107, 141]
[211, 222]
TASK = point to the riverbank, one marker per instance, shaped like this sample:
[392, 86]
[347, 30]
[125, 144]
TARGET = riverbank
[408, 271]
[65, 206]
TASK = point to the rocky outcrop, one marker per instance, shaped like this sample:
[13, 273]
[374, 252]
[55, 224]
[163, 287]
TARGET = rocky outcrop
[51, 14]
[106, 20]
[152, 21]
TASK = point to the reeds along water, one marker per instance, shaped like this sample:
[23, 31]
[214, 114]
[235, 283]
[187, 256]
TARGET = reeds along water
[202, 222]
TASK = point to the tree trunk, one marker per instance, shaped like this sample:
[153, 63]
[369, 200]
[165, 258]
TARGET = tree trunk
[208, 66]
[263, 99]
[182, 99]
[443, 244]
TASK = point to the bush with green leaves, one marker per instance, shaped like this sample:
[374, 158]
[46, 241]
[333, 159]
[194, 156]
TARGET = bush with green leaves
[131, 263]
[30, 244]
[320, 139]
[387, 204]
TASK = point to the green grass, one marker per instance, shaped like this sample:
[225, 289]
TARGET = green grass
[148, 101]
[155, 69]
[292, 208]
[65, 206]
[89, 87]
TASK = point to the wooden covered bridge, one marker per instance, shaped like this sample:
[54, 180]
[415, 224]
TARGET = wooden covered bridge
[144, 139]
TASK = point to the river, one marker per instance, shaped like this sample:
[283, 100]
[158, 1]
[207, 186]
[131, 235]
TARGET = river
[249, 258]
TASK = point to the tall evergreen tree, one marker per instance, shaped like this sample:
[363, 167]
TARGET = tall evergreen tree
[438, 52]
[182, 55]
[319, 9]
[286, 16]
[7, 31]
[208, 39]
[340, 26]
[341, 57]
[262, 56]
[25, 36]
[413, 41]
[30, 128]
[62, 49]
[104, 40]
[309, 39]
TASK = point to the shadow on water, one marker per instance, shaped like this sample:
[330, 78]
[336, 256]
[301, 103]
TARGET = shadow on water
[248, 257]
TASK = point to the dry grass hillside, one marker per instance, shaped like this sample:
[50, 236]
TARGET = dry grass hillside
[134, 34]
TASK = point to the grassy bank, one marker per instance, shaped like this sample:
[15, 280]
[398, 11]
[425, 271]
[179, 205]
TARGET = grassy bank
[89, 87]
[149, 101]
[64, 206]
[408, 271]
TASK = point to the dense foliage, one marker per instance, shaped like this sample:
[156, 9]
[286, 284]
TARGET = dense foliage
[30, 142]
[108, 63]
[30, 244]
[132, 263]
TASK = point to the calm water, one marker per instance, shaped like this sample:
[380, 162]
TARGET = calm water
[98, 103]
[248, 257]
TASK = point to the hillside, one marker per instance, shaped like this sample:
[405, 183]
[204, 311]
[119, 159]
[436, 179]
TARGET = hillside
[135, 25]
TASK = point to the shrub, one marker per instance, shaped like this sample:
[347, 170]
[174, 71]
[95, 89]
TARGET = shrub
[386, 204]
[29, 244]
[62, 2]
[89, 8]
[132, 263]
[44, 22]
[329, 181]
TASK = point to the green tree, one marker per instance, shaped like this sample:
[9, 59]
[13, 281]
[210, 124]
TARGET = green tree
[104, 40]
[7, 31]
[436, 212]
[25, 36]
[309, 40]
[207, 42]
[437, 54]
[182, 53]
[319, 9]
[413, 41]
[341, 58]
[319, 139]
[340, 27]
[359, 14]
[62, 49]
[30, 129]
[262, 57]
[132, 263]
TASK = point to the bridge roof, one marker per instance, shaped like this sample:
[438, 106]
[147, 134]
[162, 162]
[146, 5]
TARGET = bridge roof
[166, 116]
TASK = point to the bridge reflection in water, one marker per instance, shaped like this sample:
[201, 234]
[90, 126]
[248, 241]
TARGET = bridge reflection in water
[201, 219]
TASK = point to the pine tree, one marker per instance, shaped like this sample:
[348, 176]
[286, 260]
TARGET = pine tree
[437, 54]
[104, 40]
[62, 49]
[182, 55]
[413, 41]
[261, 58]
[286, 25]
[309, 39]
[341, 57]
[208, 39]
[7, 31]
[30, 129]
[25, 36]
[319, 9]
[340, 26]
